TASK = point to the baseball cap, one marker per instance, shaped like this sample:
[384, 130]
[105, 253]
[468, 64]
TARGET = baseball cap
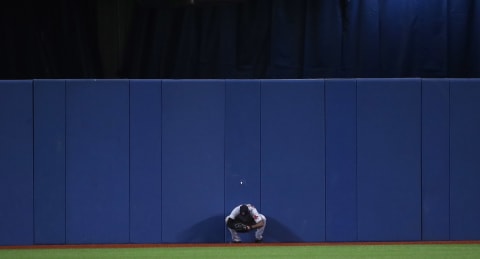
[244, 210]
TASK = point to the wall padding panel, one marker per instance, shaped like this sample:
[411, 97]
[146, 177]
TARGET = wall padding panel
[97, 161]
[242, 143]
[435, 159]
[464, 159]
[16, 163]
[389, 159]
[145, 161]
[341, 173]
[293, 159]
[49, 161]
[193, 181]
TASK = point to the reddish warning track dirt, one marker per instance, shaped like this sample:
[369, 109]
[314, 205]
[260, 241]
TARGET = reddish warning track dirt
[228, 245]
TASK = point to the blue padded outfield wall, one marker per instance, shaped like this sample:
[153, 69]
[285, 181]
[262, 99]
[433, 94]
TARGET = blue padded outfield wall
[164, 161]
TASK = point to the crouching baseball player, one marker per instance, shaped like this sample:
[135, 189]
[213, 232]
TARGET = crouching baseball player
[245, 218]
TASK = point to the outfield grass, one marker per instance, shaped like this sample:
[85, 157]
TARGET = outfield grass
[413, 251]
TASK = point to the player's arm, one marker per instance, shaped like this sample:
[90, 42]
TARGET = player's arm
[257, 224]
[231, 218]
[235, 212]
[258, 220]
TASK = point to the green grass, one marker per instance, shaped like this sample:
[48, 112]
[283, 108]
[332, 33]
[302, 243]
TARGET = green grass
[414, 251]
